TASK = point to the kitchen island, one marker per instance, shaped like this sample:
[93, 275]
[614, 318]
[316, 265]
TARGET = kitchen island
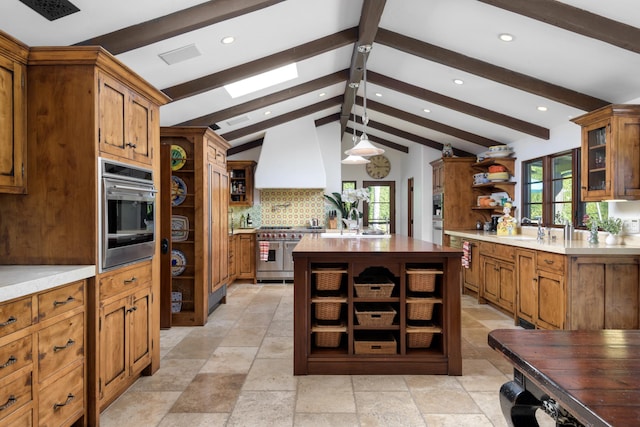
[376, 305]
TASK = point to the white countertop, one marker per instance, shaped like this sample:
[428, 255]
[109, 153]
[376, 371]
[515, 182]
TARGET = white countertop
[559, 245]
[20, 280]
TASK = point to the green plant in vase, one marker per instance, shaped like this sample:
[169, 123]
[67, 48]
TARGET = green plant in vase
[613, 226]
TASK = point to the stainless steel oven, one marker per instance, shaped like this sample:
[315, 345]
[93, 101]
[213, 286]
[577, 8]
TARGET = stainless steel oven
[274, 252]
[127, 220]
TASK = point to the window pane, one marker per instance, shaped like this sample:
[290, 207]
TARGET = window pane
[379, 207]
[532, 189]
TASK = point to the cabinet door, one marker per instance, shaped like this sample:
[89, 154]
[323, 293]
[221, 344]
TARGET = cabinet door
[114, 346]
[526, 284]
[507, 286]
[490, 279]
[112, 120]
[12, 126]
[218, 227]
[138, 135]
[247, 252]
[550, 290]
[140, 330]
[498, 282]
[625, 168]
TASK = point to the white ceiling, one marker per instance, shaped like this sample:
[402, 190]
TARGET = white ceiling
[468, 27]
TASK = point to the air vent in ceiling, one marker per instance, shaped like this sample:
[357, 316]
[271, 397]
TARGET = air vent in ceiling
[180, 54]
[237, 120]
[52, 9]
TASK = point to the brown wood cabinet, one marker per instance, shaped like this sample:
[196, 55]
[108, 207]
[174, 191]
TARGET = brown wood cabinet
[472, 274]
[246, 256]
[457, 173]
[241, 182]
[13, 115]
[43, 377]
[203, 242]
[233, 269]
[437, 176]
[64, 106]
[610, 154]
[125, 329]
[126, 121]
[498, 275]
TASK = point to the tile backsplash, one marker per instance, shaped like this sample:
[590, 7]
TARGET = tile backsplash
[292, 207]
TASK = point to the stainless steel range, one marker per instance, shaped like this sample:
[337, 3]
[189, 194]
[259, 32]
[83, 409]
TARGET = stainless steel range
[274, 260]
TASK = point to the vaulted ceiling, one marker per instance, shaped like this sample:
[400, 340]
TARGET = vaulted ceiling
[570, 56]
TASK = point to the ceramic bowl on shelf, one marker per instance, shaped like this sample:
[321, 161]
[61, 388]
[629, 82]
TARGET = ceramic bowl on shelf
[496, 168]
[498, 176]
[499, 154]
[497, 148]
[480, 178]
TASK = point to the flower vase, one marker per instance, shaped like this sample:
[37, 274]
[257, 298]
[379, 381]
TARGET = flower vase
[611, 239]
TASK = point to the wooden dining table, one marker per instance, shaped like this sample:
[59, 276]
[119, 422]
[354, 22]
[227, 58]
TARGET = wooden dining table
[589, 378]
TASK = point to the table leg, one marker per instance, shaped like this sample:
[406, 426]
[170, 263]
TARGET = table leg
[518, 405]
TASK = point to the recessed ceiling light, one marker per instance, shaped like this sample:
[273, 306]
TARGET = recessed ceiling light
[506, 37]
[321, 94]
[262, 81]
[542, 108]
[266, 113]
[426, 110]
[228, 40]
[378, 94]
[458, 81]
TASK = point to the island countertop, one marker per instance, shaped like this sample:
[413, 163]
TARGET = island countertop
[396, 244]
[19, 280]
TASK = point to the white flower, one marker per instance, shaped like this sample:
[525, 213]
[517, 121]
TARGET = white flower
[355, 196]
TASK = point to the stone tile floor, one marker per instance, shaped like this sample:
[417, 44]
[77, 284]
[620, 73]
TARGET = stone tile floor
[237, 371]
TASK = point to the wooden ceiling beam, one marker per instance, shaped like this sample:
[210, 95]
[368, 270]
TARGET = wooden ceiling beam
[183, 21]
[284, 118]
[252, 68]
[460, 106]
[368, 27]
[267, 100]
[576, 20]
[489, 71]
[244, 147]
[429, 124]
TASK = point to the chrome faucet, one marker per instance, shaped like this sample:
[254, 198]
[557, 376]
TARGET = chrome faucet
[540, 231]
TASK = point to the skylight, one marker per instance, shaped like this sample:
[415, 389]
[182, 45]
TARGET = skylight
[262, 81]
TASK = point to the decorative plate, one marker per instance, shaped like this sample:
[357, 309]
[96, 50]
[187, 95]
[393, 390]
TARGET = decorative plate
[178, 157]
[179, 228]
[176, 302]
[178, 191]
[178, 262]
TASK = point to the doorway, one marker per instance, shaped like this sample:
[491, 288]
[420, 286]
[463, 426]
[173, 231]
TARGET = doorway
[380, 211]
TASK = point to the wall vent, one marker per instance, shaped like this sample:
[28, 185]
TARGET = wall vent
[180, 54]
[52, 9]
[237, 120]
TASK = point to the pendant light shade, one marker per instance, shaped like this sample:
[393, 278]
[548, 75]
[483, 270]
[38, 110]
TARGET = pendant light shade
[355, 160]
[364, 148]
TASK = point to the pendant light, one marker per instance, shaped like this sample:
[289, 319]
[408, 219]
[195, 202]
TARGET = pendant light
[364, 147]
[353, 159]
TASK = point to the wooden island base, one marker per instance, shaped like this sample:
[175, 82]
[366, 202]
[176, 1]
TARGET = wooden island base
[386, 305]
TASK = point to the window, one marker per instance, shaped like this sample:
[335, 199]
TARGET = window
[551, 191]
[380, 211]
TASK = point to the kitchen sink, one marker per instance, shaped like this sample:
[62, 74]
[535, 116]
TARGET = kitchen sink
[355, 236]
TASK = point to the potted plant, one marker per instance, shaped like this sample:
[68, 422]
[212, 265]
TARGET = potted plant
[613, 226]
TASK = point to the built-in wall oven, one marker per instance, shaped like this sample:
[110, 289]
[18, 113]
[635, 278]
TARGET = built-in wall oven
[127, 206]
[437, 223]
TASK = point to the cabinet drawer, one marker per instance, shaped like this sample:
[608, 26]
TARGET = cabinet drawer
[124, 280]
[15, 393]
[15, 356]
[60, 300]
[23, 418]
[496, 250]
[551, 261]
[62, 402]
[60, 344]
[15, 315]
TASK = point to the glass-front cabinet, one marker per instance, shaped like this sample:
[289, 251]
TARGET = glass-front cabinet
[610, 153]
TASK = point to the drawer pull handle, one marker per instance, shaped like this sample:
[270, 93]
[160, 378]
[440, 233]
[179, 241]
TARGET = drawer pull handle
[69, 343]
[57, 406]
[67, 301]
[134, 308]
[9, 362]
[132, 280]
[9, 321]
[12, 399]
[548, 261]
[129, 144]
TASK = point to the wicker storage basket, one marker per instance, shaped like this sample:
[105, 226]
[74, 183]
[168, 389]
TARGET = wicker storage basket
[420, 280]
[328, 279]
[372, 315]
[380, 344]
[421, 308]
[328, 308]
[328, 336]
[373, 287]
[421, 337]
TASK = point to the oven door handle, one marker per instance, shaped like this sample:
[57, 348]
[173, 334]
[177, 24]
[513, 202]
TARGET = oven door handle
[126, 187]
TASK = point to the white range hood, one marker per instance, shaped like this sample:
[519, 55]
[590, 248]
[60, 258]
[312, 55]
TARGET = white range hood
[291, 157]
